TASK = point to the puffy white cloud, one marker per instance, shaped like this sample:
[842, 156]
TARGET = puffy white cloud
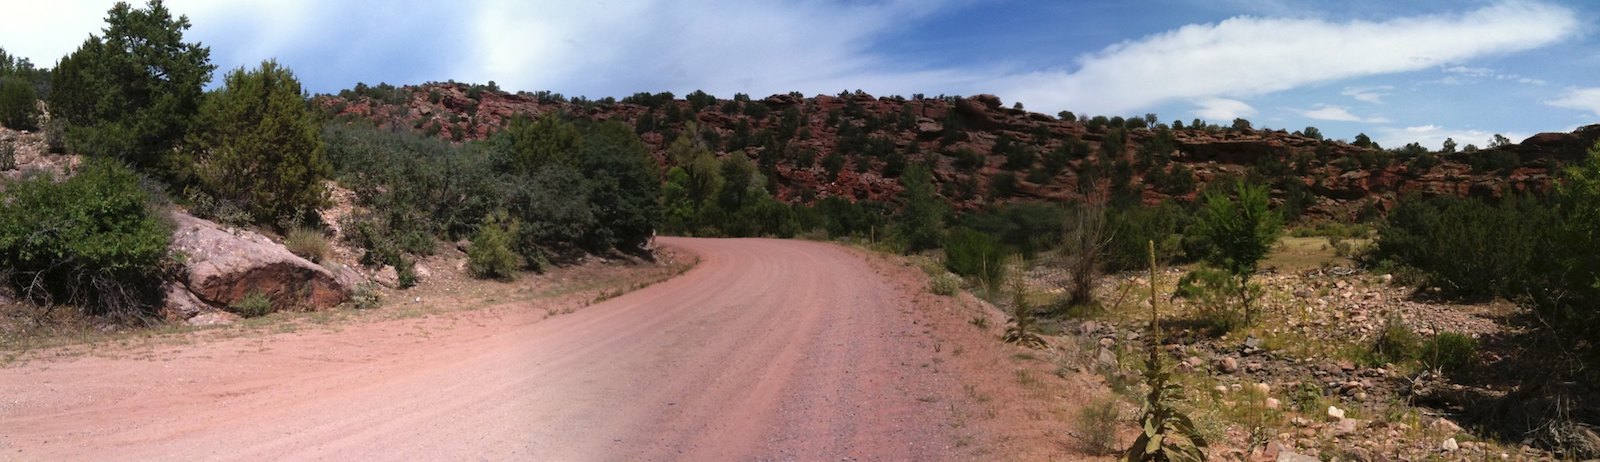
[1223, 109]
[1246, 56]
[1583, 99]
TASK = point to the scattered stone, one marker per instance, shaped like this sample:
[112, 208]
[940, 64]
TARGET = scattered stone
[1103, 357]
[1220, 389]
[1263, 388]
[1446, 426]
[1334, 413]
[1291, 456]
[1227, 364]
[1273, 403]
[1107, 342]
[1345, 426]
[1449, 445]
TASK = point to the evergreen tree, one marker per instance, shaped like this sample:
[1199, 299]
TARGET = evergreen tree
[256, 145]
[922, 217]
[132, 92]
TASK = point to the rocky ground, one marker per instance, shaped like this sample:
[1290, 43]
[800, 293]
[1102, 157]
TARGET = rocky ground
[1299, 384]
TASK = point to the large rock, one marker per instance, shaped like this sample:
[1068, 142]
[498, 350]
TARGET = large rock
[223, 266]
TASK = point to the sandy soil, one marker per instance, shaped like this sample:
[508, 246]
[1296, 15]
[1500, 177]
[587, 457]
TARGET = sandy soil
[768, 350]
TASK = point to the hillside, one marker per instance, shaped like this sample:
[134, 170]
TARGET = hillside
[984, 152]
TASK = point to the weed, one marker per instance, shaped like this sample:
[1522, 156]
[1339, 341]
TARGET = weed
[981, 321]
[256, 304]
[1449, 351]
[365, 296]
[1097, 425]
[944, 284]
[308, 244]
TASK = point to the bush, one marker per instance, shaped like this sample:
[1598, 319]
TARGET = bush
[254, 305]
[1465, 248]
[922, 216]
[944, 284]
[1097, 425]
[255, 145]
[309, 244]
[1449, 351]
[1132, 228]
[490, 256]
[365, 296]
[1395, 343]
[1211, 289]
[1240, 233]
[96, 240]
[974, 254]
[18, 107]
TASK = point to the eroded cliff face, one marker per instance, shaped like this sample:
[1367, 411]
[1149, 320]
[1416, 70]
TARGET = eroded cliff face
[797, 133]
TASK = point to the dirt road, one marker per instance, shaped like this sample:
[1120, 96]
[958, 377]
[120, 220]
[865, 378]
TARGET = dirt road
[768, 350]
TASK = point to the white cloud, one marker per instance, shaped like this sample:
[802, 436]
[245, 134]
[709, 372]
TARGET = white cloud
[1583, 99]
[1373, 94]
[1337, 114]
[1223, 109]
[1476, 73]
[1246, 55]
[1433, 136]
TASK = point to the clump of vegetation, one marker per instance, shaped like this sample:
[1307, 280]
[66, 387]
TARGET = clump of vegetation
[1240, 232]
[1449, 351]
[18, 104]
[255, 145]
[1097, 425]
[1212, 291]
[1395, 343]
[974, 254]
[96, 240]
[490, 256]
[308, 243]
[253, 305]
[922, 216]
[1022, 330]
[1167, 433]
[365, 296]
[8, 157]
[944, 284]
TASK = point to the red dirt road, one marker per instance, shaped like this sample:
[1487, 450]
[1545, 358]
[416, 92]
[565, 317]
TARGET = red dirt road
[768, 350]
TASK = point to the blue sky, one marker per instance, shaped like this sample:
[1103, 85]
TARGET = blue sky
[1398, 71]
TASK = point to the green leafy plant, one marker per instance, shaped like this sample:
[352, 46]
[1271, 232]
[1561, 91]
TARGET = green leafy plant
[18, 104]
[1449, 351]
[1022, 330]
[1166, 432]
[96, 240]
[974, 254]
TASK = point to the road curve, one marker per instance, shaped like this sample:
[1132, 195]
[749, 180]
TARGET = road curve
[767, 350]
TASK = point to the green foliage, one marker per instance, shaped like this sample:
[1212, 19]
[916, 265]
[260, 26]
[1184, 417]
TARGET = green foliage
[253, 305]
[1166, 433]
[18, 104]
[1132, 228]
[624, 187]
[921, 218]
[1028, 227]
[1449, 351]
[95, 240]
[1462, 245]
[1240, 233]
[1212, 290]
[1097, 424]
[256, 146]
[8, 157]
[535, 144]
[490, 256]
[944, 284]
[974, 254]
[1395, 343]
[309, 244]
[132, 92]
[1022, 330]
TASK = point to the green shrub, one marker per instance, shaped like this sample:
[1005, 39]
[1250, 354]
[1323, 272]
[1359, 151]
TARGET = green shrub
[365, 296]
[1240, 232]
[96, 240]
[1449, 351]
[309, 244]
[490, 256]
[253, 305]
[405, 271]
[1395, 343]
[974, 254]
[256, 145]
[1462, 246]
[1028, 227]
[944, 284]
[1211, 290]
[18, 107]
[922, 217]
[1132, 228]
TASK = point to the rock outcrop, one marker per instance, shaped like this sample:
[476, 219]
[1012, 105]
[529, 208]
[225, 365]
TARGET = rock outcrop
[222, 266]
[1344, 179]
